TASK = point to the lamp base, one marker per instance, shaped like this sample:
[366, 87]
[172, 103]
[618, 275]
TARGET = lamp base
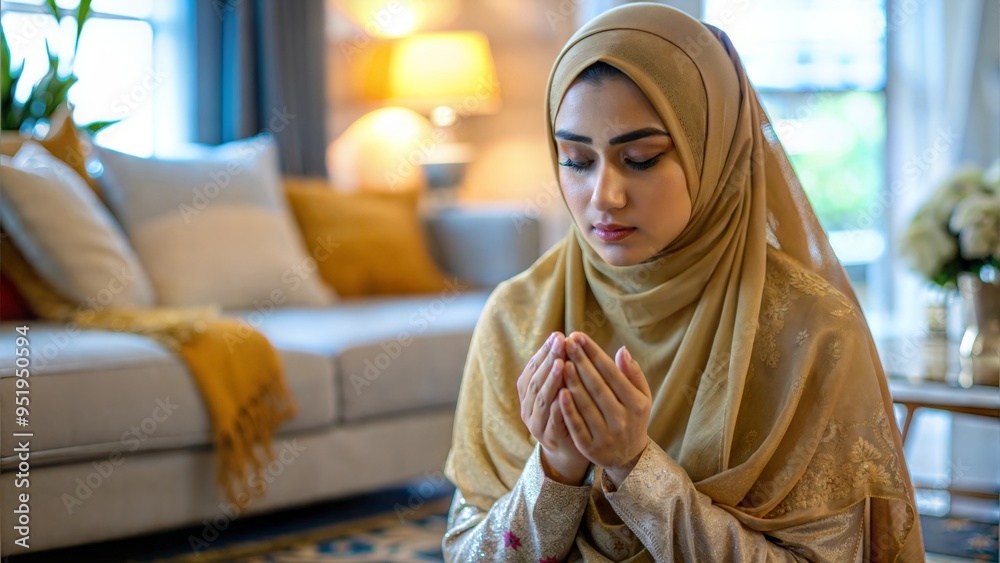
[445, 168]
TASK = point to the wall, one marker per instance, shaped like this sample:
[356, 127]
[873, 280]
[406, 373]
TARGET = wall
[511, 161]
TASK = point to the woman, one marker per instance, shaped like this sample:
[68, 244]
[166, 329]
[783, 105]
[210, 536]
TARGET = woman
[687, 376]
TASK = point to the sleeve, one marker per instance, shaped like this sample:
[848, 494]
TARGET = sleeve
[659, 503]
[536, 521]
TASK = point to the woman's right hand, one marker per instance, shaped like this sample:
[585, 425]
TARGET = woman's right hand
[538, 386]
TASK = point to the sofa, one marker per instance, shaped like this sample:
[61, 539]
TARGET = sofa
[120, 440]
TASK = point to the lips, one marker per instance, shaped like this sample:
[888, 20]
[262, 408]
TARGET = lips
[612, 232]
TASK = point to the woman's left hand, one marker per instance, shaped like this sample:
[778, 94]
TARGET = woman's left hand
[607, 404]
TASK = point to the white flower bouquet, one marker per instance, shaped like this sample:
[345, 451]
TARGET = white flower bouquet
[958, 229]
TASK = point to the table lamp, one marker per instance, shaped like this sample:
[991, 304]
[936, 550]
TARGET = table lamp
[444, 76]
[381, 151]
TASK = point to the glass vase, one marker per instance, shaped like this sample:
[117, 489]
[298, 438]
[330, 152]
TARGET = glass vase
[980, 347]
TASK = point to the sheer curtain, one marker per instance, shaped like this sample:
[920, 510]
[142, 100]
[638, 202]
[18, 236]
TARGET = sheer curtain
[260, 66]
[590, 8]
[943, 109]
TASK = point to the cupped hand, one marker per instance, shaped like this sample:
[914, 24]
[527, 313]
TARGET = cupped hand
[606, 405]
[538, 386]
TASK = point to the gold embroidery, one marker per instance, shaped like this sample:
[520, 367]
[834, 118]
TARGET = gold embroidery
[801, 337]
[834, 351]
[749, 443]
[772, 318]
[782, 276]
[871, 461]
[811, 284]
[808, 283]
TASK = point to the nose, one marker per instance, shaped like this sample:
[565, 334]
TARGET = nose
[609, 191]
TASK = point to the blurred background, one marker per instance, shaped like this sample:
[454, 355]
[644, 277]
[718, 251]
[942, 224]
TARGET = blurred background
[876, 101]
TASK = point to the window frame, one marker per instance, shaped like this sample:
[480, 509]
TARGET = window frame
[172, 102]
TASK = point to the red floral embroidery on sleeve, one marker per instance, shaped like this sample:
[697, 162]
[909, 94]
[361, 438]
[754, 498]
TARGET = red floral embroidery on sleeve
[511, 541]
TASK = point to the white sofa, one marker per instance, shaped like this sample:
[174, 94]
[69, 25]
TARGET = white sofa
[121, 440]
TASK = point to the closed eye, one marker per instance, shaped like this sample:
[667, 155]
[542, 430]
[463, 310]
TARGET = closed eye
[575, 166]
[645, 164]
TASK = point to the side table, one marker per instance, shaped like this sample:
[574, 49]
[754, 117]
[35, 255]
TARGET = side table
[919, 379]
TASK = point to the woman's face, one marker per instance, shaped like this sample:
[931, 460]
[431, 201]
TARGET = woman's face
[619, 171]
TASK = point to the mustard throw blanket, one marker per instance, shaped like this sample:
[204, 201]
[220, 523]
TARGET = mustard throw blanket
[235, 367]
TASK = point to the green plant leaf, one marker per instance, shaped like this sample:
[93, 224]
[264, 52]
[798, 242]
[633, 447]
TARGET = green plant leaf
[5, 80]
[48, 92]
[97, 126]
[11, 117]
[10, 110]
[53, 59]
[53, 8]
[82, 13]
[51, 89]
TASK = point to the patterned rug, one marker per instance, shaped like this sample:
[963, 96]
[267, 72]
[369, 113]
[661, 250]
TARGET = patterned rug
[382, 527]
[960, 538]
[418, 540]
[411, 538]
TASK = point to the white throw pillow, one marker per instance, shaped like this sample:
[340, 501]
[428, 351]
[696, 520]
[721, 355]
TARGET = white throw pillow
[214, 229]
[67, 235]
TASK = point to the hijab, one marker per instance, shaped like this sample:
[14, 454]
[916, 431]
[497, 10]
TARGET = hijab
[766, 385]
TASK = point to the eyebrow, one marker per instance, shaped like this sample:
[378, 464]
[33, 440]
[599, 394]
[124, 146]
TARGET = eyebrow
[620, 139]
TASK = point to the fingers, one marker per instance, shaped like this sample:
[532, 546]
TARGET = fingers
[627, 364]
[557, 420]
[543, 400]
[531, 382]
[584, 405]
[592, 378]
[533, 363]
[578, 430]
[624, 388]
[605, 365]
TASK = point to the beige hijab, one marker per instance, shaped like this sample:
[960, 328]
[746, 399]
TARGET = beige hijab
[766, 385]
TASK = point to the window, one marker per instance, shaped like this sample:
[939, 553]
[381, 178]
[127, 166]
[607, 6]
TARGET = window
[128, 64]
[820, 67]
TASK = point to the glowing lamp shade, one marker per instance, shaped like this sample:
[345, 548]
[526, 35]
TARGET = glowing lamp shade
[381, 151]
[397, 18]
[444, 70]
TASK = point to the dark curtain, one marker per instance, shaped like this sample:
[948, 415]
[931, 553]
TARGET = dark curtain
[260, 67]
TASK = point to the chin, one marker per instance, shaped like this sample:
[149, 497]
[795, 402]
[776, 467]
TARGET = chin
[620, 257]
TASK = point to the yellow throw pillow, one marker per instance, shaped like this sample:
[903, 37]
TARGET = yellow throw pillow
[365, 243]
[64, 141]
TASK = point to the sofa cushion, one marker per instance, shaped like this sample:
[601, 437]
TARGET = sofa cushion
[391, 354]
[94, 392]
[67, 235]
[365, 243]
[214, 228]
